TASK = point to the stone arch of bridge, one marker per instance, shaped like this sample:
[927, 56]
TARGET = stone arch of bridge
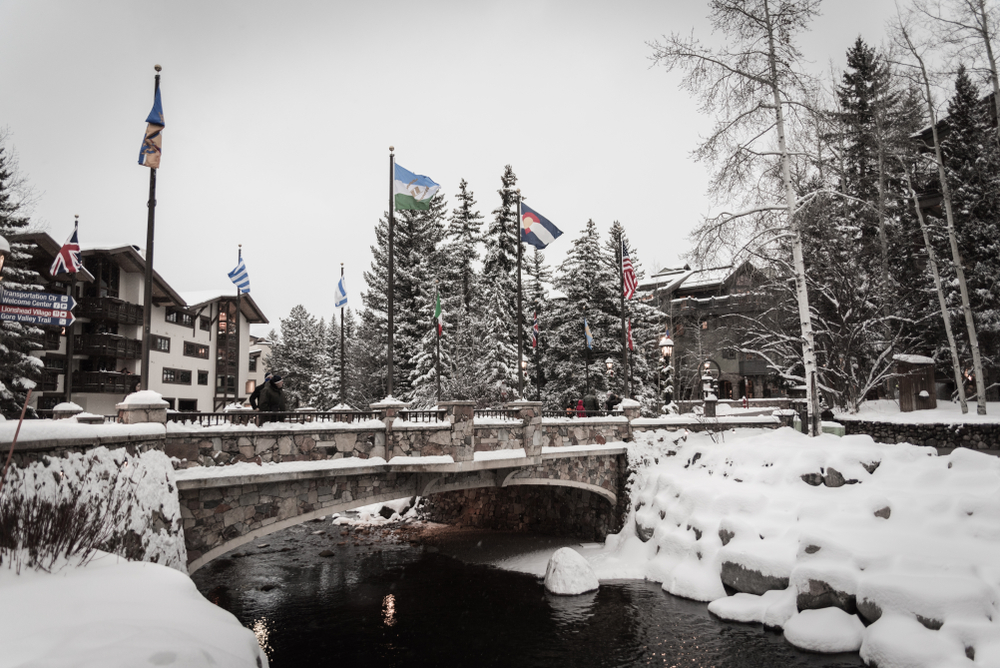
[424, 484]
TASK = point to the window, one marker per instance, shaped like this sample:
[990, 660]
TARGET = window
[177, 376]
[203, 378]
[253, 362]
[188, 405]
[179, 317]
[225, 384]
[704, 324]
[729, 354]
[251, 386]
[195, 350]
[205, 324]
[159, 343]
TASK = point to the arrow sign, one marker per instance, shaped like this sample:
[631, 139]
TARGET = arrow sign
[37, 316]
[37, 300]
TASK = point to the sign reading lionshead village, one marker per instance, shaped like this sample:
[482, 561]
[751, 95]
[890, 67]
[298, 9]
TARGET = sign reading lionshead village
[37, 308]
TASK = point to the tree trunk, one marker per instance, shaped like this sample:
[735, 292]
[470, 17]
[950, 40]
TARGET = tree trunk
[801, 293]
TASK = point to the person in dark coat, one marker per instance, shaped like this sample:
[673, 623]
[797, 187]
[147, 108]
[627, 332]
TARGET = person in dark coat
[590, 404]
[255, 395]
[612, 401]
[570, 407]
[272, 398]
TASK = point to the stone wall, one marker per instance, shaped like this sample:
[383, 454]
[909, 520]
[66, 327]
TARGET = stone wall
[561, 432]
[972, 435]
[214, 447]
[557, 511]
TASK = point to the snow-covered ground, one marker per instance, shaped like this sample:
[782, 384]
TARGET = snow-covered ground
[912, 537]
[113, 613]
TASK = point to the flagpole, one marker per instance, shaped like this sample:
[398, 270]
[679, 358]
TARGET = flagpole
[68, 376]
[437, 328]
[235, 360]
[586, 355]
[520, 315]
[627, 378]
[147, 293]
[389, 296]
[343, 391]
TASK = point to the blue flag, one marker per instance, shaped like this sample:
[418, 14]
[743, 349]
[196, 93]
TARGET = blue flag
[240, 277]
[340, 296]
[536, 229]
[586, 332]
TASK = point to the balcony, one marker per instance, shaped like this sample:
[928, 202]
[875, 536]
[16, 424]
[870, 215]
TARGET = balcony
[107, 345]
[108, 382]
[109, 309]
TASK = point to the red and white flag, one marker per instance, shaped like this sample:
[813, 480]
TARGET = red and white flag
[628, 273]
[631, 344]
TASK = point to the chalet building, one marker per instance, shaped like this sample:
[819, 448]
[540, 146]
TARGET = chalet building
[704, 311]
[199, 356]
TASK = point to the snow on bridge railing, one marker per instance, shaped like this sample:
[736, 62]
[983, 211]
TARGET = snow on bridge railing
[261, 417]
[429, 415]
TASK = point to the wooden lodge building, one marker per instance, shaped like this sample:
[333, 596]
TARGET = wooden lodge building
[200, 357]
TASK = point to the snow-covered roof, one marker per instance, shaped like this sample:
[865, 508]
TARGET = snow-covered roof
[913, 359]
[704, 278]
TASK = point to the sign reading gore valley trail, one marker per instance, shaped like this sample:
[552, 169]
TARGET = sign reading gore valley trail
[36, 308]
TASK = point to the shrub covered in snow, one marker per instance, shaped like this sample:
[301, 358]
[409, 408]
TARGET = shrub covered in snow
[101, 500]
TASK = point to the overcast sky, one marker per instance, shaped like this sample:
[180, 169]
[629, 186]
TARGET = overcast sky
[279, 118]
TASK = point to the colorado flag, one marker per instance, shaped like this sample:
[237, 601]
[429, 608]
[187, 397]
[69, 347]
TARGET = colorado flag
[536, 229]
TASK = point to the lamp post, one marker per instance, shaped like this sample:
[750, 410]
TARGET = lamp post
[610, 365]
[666, 345]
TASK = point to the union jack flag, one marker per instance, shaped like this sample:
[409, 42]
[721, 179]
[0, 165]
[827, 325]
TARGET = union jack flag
[68, 261]
[631, 344]
[535, 331]
[628, 273]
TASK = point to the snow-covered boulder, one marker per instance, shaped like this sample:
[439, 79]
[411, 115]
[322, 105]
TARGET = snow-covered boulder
[829, 630]
[569, 573]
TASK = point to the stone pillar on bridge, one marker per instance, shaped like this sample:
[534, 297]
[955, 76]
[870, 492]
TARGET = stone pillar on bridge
[530, 413]
[145, 406]
[461, 414]
[388, 411]
[631, 409]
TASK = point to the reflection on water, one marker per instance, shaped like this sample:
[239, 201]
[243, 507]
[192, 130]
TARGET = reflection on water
[401, 605]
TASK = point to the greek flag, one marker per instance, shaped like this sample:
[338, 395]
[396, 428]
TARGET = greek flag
[240, 277]
[340, 296]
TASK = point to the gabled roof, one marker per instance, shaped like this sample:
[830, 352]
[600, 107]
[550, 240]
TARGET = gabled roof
[665, 279]
[248, 307]
[129, 259]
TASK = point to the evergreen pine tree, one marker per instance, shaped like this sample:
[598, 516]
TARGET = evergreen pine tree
[972, 161]
[538, 280]
[297, 356]
[19, 370]
[498, 319]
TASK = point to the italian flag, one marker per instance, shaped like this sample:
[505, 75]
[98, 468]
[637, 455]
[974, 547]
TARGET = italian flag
[437, 313]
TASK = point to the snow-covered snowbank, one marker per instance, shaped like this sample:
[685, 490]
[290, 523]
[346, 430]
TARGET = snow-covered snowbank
[113, 613]
[816, 530]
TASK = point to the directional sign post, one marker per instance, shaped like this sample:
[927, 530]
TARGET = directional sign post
[37, 308]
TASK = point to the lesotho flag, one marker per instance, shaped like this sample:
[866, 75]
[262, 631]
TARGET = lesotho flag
[412, 192]
[536, 229]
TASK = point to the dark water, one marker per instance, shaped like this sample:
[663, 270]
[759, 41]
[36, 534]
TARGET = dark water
[404, 605]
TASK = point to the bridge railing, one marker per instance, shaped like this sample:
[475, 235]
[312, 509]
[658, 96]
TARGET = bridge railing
[571, 413]
[496, 414]
[430, 415]
[260, 417]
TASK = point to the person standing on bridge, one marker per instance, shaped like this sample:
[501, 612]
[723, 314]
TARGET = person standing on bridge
[272, 398]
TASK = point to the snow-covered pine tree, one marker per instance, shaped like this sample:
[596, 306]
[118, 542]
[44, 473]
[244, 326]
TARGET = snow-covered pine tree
[419, 237]
[19, 370]
[326, 384]
[297, 356]
[972, 160]
[461, 299]
[537, 282]
[498, 320]
[590, 287]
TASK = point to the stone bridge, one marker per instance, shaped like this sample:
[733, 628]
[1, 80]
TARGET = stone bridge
[237, 482]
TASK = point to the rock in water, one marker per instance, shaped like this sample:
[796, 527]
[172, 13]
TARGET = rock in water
[569, 573]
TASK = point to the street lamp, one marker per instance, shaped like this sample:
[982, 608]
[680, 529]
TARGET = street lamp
[666, 345]
[610, 364]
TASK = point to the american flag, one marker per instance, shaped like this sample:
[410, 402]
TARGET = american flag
[631, 282]
[631, 344]
[68, 260]
[535, 331]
